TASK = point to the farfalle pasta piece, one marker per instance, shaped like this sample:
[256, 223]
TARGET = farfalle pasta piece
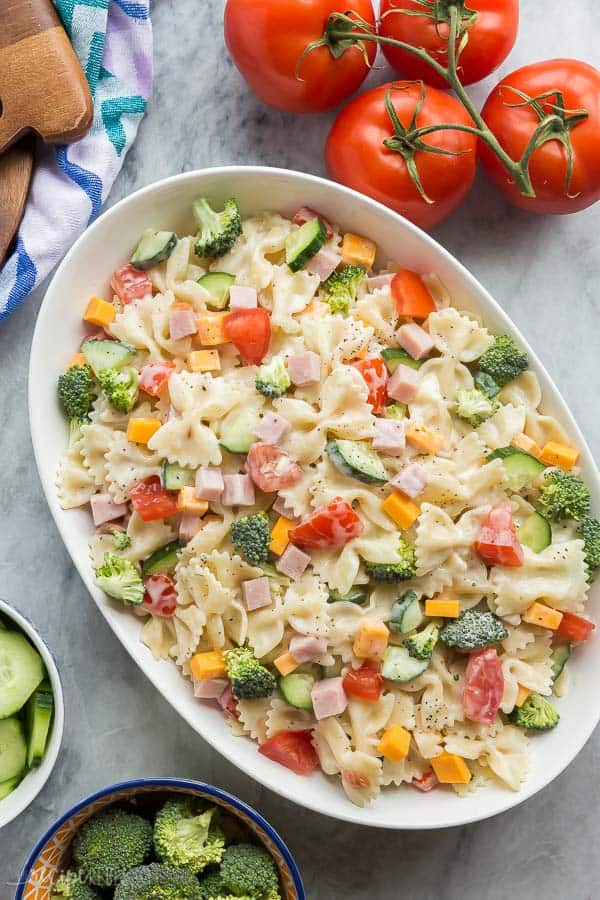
[458, 335]
[126, 464]
[187, 442]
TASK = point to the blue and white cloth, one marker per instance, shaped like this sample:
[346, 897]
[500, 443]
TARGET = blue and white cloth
[113, 41]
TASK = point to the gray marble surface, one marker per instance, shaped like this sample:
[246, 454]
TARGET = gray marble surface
[545, 272]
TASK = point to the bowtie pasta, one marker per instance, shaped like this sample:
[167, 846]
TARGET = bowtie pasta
[334, 501]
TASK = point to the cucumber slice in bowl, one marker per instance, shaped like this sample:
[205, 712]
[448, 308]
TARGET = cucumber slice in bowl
[393, 356]
[217, 284]
[174, 477]
[535, 532]
[101, 355]
[521, 468]
[13, 749]
[357, 459]
[162, 560]
[153, 248]
[7, 787]
[296, 689]
[237, 433]
[304, 243]
[406, 614]
[21, 671]
[399, 665]
[356, 595]
[39, 710]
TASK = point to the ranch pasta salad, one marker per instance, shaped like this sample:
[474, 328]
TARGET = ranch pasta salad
[334, 501]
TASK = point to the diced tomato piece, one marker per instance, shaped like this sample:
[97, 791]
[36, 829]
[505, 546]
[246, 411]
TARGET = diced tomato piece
[575, 628]
[151, 501]
[271, 469]
[484, 686]
[155, 376]
[306, 214]
[375, 374]
[130, 284]
[161, 596]
[365, 682]
[427, 782]
[497, 543]
[329, 526]
[292, 749]
[250, 331]
[411, 296]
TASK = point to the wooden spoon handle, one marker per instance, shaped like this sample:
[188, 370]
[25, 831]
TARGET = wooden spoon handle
[42, 85]
[15, 174]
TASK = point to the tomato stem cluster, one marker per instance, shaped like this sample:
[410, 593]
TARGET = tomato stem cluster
[555, 122]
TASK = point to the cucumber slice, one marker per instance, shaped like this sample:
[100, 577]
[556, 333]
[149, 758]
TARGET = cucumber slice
[486, 384]
[40, 707]
[107, 354]
[7, 787]
[237, 433]
[396, 411]
[13, 748]
[406, 614]
[356, 459]
[521, 468]
[162, 560]
[153, 247]
[296, 689]
[303, 243]
[21, 670]
[393, 356]
[217, 284]
[559, 658]
[535, 532]
[399, 665]
[356, 595]
[174, 477]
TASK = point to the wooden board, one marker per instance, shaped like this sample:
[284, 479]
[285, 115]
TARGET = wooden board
[15, 174]
[42, 85]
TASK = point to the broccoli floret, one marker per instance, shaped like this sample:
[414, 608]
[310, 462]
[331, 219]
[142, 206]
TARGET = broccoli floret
[249, 870]
[76, 391]
[504, 360]
[186, 838]
[121, 388]
[158, 882]
[473, 630]
[405, 568]
[251, 537]
[212, 887]
[341, 288]
[474, 407]
[249, 679]
[109, 844]
[536, 714]
[121, 540]
[421, 644]
[272, 379]
[120, 579]
[563, 496]
[217, 231]
[486, 384]
[396, 411]
[589, 530]
[70, 886]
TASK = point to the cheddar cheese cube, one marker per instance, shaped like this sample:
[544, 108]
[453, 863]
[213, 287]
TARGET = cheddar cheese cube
[279, 535]
[358, 251]
[315, 310]
[394, 743]
[522, 695]
[555, 454]
[442, 607]
[78, 360]
[139, 431]
[211, 329]
[523, 442]
[208, 665]
[451, 769]
[187, 502]
[204, 361]
[286, 663]
[371, 639]
[542, 615]
[400, 509]
[99, 312]
[424, 439]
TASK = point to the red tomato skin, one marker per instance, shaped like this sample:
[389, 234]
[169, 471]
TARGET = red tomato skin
[365, 683]
[150, 500]
[266, 39]
[484, 686]
[130, 284]
[154, 377]
[161, 596]
[271, 469]
[375, 374]
[249, 330]
[491, 38]
[355, 154]
[333, 525]
[580, 84]
[497, 542]
[292, 749]
[575, 628]
[427, 782]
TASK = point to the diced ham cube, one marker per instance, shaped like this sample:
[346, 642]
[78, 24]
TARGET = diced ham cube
[209, 688]
[189, 528]
[228, 703]
[292, 562]
[256, 593]
[238, 491]
[324, 263]
[403, 384]
[305, 649]
[272, 428]
[282, 509]
[306, 214]
[414, 340]
[304, 368]
[182, 321]
[411, 480]
[104, 509]
[241, 297]
[329, 698]
[209, 484]
[379, 281]
[389, 436]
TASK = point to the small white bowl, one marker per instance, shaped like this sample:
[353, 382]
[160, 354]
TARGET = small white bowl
[35, 779]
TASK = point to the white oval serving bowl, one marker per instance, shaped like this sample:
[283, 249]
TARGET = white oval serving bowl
[35, 779]
[86, 270]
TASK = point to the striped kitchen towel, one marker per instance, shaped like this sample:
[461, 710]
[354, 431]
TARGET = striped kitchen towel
[113, 41]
